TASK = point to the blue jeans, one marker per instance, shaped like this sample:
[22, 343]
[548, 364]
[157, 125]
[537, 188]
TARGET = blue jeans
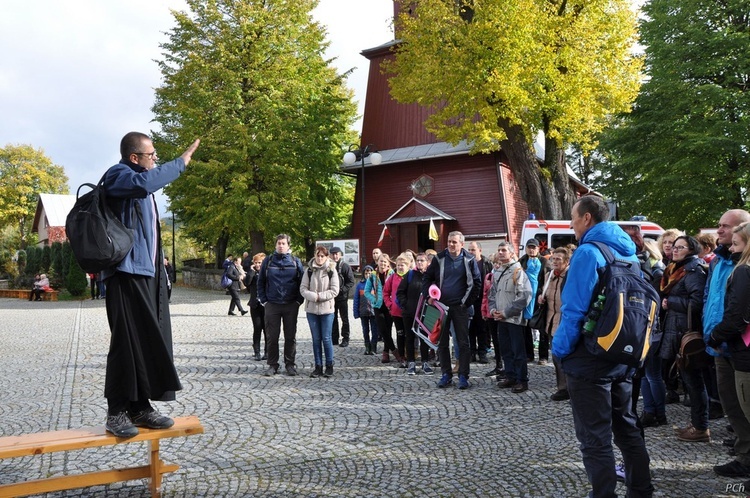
[321, 327]
[653, 389]
[368, 323]
[513, 346]
[602, 409]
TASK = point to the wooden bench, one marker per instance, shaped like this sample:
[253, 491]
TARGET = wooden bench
[16, 293]
[24, 294]
[90, 437]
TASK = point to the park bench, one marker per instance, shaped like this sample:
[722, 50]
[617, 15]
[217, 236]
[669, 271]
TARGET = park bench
[90, 437]
[24, 294]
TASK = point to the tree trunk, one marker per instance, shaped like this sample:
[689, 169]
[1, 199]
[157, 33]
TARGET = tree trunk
[221, 249]
[544, 187]
[554, 162]
[256, 242]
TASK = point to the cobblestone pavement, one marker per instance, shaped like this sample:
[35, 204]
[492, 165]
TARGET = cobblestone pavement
[369, 431]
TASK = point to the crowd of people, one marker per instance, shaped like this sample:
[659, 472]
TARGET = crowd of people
[502, 302]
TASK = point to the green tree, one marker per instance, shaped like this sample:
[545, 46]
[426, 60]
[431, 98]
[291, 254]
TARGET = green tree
[75, 280]
[249, 78]
[57, 265]
[46, 258]
[25, 173]
[33, 260]
[681, 156]
[500, 72]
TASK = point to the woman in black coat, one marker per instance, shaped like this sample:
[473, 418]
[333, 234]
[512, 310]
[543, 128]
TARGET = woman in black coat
[682, 292]
[235, 274]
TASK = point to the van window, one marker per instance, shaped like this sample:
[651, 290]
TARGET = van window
[562, 240]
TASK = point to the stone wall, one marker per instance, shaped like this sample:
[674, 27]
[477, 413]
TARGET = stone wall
[202, 278]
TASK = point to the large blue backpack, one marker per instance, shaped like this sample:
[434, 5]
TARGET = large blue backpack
[627, 326]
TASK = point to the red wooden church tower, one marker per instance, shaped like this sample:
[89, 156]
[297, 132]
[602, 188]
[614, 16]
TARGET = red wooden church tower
[421, 180]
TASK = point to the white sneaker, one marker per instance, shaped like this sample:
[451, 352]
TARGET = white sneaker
[427, 369]
[411, 369]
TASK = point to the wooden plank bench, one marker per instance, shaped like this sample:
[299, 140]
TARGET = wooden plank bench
[17, 293]
[24, 294]
[90, 437]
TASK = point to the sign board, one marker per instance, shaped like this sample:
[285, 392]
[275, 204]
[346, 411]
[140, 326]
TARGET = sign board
[349, 247]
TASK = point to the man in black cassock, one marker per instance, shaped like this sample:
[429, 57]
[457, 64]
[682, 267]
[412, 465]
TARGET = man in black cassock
[140, 365]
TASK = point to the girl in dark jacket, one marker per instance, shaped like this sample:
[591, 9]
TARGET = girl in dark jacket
[733, 328]
[407, 295]
[682, 292]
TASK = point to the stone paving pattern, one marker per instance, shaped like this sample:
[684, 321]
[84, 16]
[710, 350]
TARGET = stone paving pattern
[369, 431]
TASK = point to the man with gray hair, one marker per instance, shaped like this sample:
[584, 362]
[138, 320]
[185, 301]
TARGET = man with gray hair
[509, 295]
[455, 272]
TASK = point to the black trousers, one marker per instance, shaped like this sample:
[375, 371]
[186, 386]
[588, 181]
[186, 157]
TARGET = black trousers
[341, 309]
[275, 315]
[235, 293]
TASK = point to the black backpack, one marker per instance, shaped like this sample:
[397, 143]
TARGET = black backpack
[97, 238]
[624, 328]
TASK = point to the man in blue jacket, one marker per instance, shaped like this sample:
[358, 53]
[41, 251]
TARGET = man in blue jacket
[279, 279]
[140, 366]
[600, 391]
[713, 312]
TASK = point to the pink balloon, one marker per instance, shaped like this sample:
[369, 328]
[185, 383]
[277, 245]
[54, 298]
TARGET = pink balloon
[434, 292]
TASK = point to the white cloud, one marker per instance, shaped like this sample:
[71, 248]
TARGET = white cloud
[77, 75]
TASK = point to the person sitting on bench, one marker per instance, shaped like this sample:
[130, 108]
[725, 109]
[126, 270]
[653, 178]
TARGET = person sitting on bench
[41, 284]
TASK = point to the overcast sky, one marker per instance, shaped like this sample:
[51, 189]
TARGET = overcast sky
[76, 75]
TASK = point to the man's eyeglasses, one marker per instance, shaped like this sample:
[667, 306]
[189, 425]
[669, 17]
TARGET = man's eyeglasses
[149, 154]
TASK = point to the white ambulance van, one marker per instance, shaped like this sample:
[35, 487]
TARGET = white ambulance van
[556, 233]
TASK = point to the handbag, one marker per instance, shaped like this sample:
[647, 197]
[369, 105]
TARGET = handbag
[539, 319]
[225, 281]
[692, 354]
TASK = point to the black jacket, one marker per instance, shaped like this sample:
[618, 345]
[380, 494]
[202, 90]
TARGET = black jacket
[735, 319]
[687, 292]
[346, 280]
[408, 292]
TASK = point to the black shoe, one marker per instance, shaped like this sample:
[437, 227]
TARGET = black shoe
[729, 442]
[271, 371]
[231, 313]
[651, 420]
[244, 312]
[317, 372]
[152, 419]
[492, 372]
[520, 387]
[344, 343]
[256, 356]
[560, 395]
[672, 397]
[329, 371]
[715, 411]
[482, 358]
[507, 383]
[291, 370]
[120, 425]
[732, 469]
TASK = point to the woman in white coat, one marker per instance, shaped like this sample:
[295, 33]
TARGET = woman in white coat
[319, 287]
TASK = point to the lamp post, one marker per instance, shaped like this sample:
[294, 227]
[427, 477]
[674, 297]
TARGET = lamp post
[359, 154]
